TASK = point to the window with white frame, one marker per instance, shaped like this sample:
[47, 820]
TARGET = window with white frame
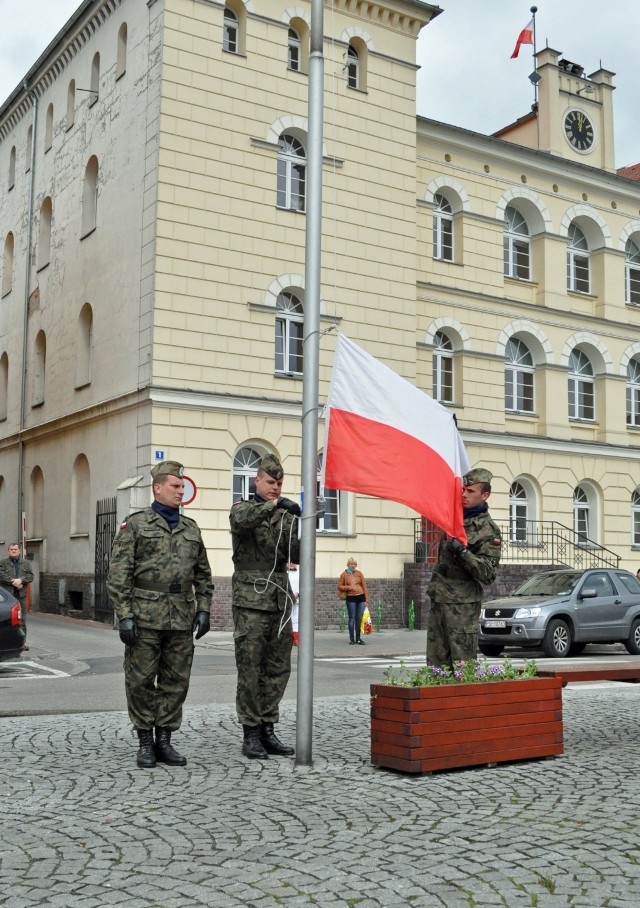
[442, 228]
[330, 521]
[633, 392]
[517, 246]
[292, 173]
[245, 467]
[518, 377]
[353, 67]
[231, 31]
[632, 273]
[518, 513]
[442, 368]
[289, 333]
[581, 516]
[578, 267]
[294, 59]
[635, 518]
[581, 386]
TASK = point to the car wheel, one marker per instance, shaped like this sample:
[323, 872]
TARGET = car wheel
[576, 648]
[557, 639]
[492, 650]
[633, 640]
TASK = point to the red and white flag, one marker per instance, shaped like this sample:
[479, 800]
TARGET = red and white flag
[525, 37]
[386, 438]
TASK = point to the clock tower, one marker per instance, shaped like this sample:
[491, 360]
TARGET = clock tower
[573, 117]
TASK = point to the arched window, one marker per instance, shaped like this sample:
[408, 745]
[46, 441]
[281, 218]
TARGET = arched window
[581, 386]
[7, 265]
[90, 197]
[48, 129]
[632, 273]
[94, 94]
[442, 368]
[12, 168]
[233, 32]
[581, 516]
[44, 233]
[4, 385]
[245, 467]
[36, 509]
[289, 334]
[71, 103]
[578, 269]
[121, 59]
[518, 513]
[39, 369]
[635, 518]
[518, 377]
[353, 67]
[292, 173]
[633, 392]
[84, 346]
[80, 499]
[329, 522]
[29, 149]
[293, 50]
[442, 228]
[517, 246]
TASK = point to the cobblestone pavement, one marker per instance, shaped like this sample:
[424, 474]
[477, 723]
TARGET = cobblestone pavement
[82, 827]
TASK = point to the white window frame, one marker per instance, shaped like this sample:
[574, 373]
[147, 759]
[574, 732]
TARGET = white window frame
[294, 50]
[443, 368]
[332, 520]
[632, 274]
[578, 261]
[353, 67]
[289, 334]
[635, 517]
[517, 245]
[519, 378]
[581, 517]
[518, 513]
[581, 387]
[292, 173]
[633, 392]
[231, 31]
[442, 228]
[245, 466]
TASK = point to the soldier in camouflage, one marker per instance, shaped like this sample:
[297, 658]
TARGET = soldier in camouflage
[160, 584]
[264, 533]
[461, 572]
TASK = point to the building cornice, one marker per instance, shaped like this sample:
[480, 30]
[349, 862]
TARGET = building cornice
[243, 405]
[547, 445]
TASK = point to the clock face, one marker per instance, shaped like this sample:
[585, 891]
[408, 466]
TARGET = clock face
[579, 130]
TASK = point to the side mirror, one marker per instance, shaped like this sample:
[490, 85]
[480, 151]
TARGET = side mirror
[589, 593]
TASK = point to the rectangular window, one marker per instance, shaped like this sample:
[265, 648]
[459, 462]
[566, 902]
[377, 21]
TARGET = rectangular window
[442, 238]
[633, 286]
[289, 337]
[633, 405]
[518, 523]
[581, 399]
[443, 378]
[578, 273]
[581, 525]
[330, 522]
[518, 391]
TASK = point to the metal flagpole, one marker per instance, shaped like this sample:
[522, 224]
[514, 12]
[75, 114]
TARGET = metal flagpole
[311, 347]
[534, 10]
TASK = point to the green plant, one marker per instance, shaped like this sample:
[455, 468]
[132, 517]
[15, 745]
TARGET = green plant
[473, 671]
[411, 616]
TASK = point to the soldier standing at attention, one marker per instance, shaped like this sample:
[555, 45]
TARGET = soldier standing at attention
[160, 583]
[264, 533]
[456, 585]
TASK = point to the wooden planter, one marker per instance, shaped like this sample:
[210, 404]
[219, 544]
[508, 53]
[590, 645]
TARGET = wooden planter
[421, 729]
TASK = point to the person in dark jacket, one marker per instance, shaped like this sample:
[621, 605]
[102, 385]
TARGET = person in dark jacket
[15, 576]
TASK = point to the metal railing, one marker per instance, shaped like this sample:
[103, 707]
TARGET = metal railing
[532, 541]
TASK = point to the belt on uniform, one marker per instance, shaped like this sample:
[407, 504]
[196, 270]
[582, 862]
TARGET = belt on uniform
[175, 587]
[279, 567]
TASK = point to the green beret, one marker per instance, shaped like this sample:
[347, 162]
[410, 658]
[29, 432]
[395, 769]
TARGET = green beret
[271, 465]
[168, 468]
[479, 474]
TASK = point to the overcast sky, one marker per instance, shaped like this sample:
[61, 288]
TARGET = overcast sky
[467, 76]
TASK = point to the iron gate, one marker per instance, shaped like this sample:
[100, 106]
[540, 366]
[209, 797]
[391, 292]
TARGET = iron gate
[106, 525]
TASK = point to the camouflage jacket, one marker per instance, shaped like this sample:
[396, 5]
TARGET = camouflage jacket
[159, 575]
[264, 539]
[7, 575]
[461, 579]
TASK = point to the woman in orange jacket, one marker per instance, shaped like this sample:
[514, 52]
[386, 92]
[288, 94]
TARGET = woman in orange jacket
[353, 587]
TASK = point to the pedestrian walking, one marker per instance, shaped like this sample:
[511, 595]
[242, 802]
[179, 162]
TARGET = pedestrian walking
[352, 587]
[264, 534]
[160, 584]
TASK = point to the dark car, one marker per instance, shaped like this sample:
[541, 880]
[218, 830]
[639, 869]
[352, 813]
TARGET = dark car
[11, 633]
[562, 611]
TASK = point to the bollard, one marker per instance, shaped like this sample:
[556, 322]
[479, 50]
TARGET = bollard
[379, 616]
[411, 616]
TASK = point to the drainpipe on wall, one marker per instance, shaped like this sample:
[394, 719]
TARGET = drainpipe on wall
[25, 315]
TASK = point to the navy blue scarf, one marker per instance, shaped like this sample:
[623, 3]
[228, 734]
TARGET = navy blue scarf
[473, 512]
[171, 515]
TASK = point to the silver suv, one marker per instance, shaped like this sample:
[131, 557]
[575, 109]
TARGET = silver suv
[562, 611]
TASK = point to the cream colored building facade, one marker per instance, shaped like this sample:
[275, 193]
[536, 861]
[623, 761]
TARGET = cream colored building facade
[152, 196]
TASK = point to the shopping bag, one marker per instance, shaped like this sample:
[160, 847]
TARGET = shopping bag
[365, 626]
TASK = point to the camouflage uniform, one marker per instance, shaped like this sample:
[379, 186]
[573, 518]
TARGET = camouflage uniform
[153, 574]
[456, 590]
[264, 539]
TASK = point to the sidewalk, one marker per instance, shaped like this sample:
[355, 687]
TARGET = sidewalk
[82, 827]
[386, 642]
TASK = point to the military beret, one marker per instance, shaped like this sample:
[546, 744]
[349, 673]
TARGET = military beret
[168, 468]
[271, 465]
[479, 474]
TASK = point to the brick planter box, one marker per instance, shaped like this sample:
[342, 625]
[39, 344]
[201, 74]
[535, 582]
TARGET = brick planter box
[422, 729]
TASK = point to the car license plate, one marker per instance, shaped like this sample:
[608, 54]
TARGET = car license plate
[492, 623]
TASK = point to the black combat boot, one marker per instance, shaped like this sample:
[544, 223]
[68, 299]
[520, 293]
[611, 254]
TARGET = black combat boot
[165, 752]
[252, 745]
[272, 744]
[146, 756]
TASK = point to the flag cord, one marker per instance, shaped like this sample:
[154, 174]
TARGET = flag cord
[284, 620]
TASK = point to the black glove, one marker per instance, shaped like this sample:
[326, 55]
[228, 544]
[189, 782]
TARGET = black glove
[456, 548]
[201, 624]
[290, 506]
[128, 630]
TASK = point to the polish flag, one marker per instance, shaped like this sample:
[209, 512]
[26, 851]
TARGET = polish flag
[525, 37]
[386, 438]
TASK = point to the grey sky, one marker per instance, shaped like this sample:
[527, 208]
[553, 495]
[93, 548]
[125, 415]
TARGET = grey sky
[467, 76]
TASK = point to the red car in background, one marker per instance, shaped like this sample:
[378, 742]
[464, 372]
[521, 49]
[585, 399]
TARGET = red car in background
[11, 633]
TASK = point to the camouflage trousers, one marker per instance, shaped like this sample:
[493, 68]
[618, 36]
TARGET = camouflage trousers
[263, 660]
[157, 669]
[452, 632]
